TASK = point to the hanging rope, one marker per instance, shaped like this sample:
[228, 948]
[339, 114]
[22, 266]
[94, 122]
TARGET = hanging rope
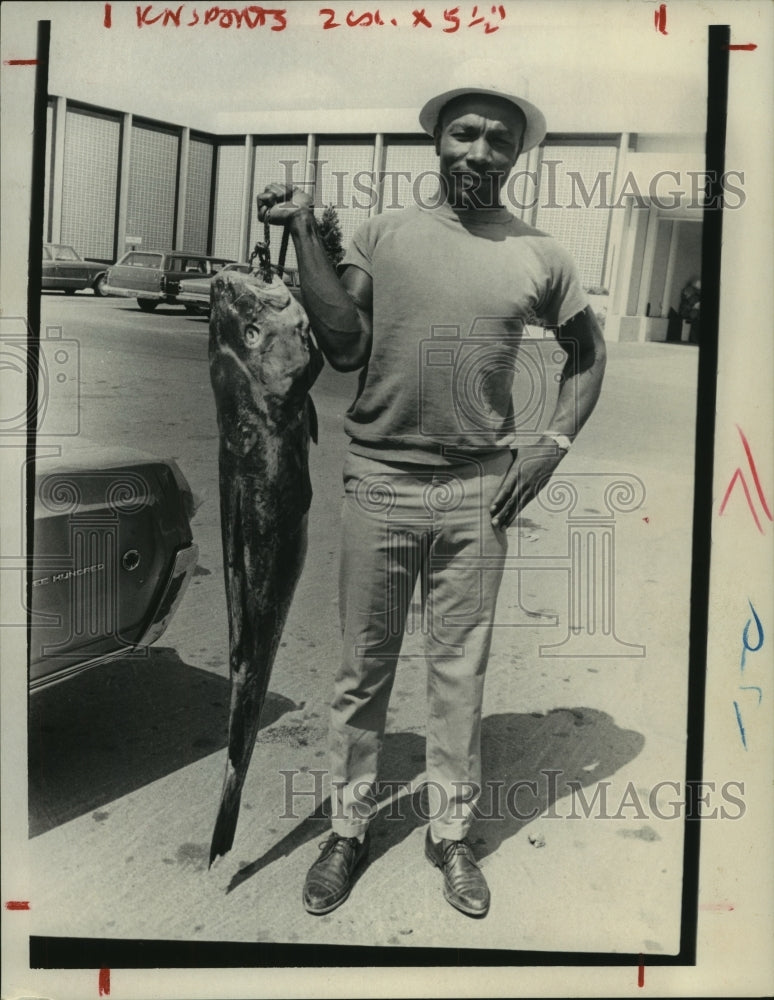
[262, 250]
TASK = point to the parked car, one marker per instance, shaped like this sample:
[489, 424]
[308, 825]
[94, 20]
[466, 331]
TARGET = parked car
[112, 555]
[154, 276]
[65, 270]
[195, 292]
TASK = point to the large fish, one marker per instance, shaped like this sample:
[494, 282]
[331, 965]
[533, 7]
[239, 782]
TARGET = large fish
[263, 362]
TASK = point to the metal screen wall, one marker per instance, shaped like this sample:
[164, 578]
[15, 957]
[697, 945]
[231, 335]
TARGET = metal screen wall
[228, 201]
[344, 177]
[197, 203]
[90, 183]
[269, 168]
[420, 162]
[583, 231]
[152, 184]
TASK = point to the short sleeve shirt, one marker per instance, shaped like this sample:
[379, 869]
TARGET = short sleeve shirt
[452, 293]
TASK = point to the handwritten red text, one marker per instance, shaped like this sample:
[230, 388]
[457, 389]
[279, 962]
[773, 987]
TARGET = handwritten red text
[739, 477]
[659, 19]
[224, 17]
[453, 18]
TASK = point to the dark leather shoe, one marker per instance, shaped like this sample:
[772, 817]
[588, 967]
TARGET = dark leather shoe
[464, 885]
[329, 880]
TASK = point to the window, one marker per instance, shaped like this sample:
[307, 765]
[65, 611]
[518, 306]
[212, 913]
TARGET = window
[65, 253]
[136, 259]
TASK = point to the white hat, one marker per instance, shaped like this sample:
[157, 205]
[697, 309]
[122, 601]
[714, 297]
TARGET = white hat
[478, 82]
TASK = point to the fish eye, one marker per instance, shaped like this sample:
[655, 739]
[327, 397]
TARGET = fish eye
[252, 335]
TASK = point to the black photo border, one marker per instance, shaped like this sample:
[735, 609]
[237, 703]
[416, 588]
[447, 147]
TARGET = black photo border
[54, 952]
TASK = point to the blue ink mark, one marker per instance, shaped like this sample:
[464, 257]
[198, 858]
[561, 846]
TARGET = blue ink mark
[746, 647]
[739, 723]
[752, 687]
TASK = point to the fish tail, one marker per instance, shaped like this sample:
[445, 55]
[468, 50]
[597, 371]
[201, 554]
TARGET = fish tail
[228, 813]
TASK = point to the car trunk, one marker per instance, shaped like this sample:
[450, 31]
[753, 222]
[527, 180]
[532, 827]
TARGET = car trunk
[103, 546]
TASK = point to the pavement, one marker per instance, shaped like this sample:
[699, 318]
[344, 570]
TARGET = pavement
[126, 763]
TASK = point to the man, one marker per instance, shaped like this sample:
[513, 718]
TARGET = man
[430, 305]
[690, 306]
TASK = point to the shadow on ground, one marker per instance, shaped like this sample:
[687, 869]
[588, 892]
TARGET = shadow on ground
[120, 726]
[567, 745]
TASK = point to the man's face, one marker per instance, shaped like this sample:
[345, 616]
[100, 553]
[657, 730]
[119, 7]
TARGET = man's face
[478, 139]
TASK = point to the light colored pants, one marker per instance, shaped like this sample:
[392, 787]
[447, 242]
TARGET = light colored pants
[401, 523]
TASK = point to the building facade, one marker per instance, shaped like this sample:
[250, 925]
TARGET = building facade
[628, 207]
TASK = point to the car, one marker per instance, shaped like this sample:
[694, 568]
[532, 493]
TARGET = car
[195, 292]
[112, 556]
[66, 271]
[154, 276]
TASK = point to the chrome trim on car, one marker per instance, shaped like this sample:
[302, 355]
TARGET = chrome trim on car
[132, 293]
[49, 680]
[179, 578]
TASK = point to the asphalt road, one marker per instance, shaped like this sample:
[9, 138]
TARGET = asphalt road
[126, 761]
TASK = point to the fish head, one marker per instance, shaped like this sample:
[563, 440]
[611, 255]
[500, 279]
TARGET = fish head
[267, 332]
